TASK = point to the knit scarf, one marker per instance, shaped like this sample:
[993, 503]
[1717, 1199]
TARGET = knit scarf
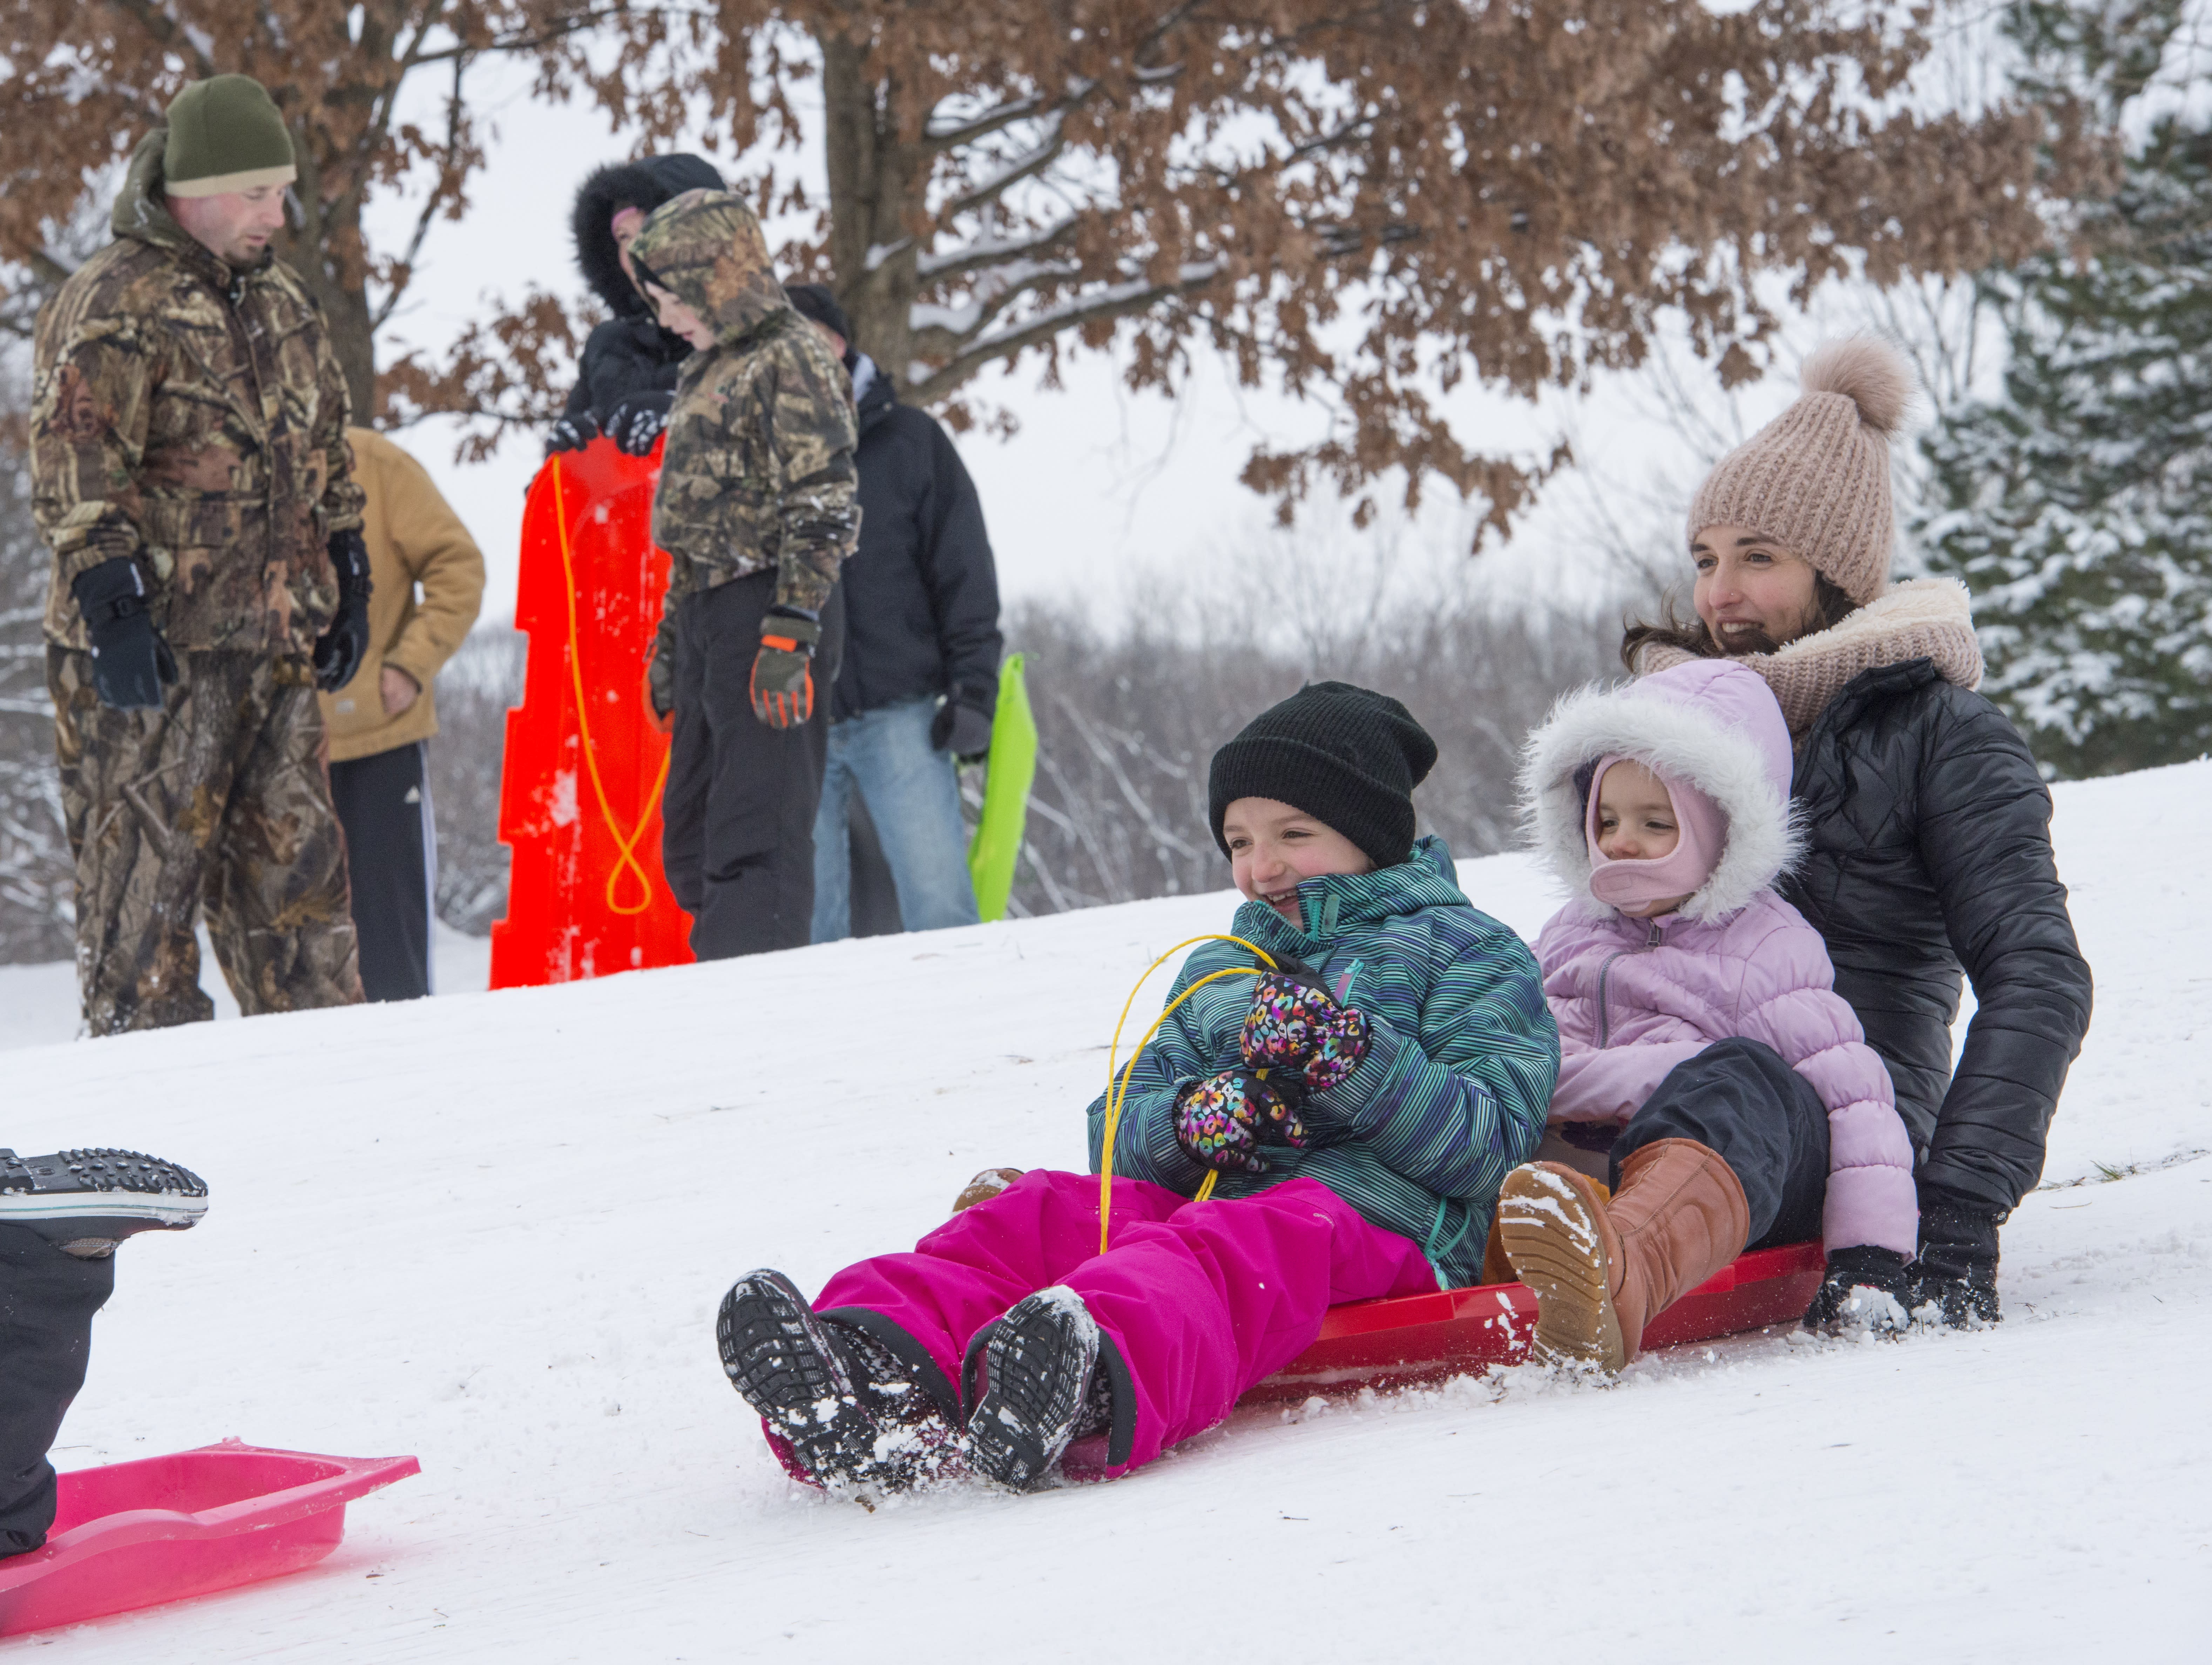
[1929, 618]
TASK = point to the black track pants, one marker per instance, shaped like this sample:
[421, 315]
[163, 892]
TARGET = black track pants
[738, 816]
[1739, 1098]
[46, 1302]
[384, 805]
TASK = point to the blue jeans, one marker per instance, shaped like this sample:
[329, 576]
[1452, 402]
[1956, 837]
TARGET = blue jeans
[913, 794]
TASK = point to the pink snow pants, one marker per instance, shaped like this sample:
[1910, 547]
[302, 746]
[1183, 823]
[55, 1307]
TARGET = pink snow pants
[1204, 1299]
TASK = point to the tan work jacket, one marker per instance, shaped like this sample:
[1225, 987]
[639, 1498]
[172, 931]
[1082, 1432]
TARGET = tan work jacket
[413, 537]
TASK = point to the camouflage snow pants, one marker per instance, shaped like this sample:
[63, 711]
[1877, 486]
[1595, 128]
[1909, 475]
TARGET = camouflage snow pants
[221, 800]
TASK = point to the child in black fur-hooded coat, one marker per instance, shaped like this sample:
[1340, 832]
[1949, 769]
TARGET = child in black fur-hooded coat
[626, 375]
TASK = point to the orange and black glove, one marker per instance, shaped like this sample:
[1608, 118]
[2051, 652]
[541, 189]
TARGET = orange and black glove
[783, 670]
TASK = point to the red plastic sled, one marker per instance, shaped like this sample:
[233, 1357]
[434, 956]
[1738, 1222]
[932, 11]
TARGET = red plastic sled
[580, 791]
[1419, 1338]
[134, 1535]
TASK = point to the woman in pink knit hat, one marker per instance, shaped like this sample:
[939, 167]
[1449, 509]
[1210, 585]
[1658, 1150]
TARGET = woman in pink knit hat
[1928, 824]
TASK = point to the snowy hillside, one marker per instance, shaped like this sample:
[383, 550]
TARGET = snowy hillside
[491, 1230]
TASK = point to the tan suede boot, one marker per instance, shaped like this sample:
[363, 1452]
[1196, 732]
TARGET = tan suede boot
[1681, 1217]
[1602, 1271]
[1554, 1228]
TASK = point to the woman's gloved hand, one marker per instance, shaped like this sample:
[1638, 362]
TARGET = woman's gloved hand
[1865, 1288]
[1222, 1120]
[1296, 1024]
[1958, 1267]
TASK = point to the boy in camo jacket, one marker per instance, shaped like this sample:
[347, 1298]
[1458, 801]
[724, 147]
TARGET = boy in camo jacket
[758, 509]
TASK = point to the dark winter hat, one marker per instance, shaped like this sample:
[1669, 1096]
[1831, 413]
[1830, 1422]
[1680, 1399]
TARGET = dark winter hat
[1344, 755]
[225, 134]
[814, 303]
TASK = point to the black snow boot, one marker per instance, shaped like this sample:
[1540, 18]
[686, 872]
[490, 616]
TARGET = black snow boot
[88, 1201]
[859, 1406]
[1039, 1389]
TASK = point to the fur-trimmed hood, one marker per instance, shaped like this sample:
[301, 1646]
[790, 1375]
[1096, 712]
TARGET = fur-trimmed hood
[646, 185]
[1709, 722]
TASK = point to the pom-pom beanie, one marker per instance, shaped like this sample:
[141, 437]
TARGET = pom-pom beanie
[1346, 756]
[1816, 478]
[225, 134]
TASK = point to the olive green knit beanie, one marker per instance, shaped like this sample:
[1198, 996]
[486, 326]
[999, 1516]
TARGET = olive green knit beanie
[225, 134]
[1816, 478]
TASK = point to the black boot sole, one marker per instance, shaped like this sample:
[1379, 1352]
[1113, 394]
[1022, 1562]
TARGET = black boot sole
[777, 1354]
[1036, 1368]
[98, 1193]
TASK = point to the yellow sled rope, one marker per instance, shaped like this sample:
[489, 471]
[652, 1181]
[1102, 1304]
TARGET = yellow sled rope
[1118, 1089]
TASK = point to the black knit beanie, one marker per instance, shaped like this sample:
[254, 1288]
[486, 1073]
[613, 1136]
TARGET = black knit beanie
[815, 303]
[1347, 756]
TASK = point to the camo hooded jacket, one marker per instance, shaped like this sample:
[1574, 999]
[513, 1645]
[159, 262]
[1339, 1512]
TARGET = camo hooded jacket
[758, 469]
[193, 416]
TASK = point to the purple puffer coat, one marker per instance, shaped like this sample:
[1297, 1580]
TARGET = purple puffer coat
[1633, 998]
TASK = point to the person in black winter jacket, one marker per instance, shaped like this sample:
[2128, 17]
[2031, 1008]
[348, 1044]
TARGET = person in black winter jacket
[1928, 822]
[919, 683]
[627, 378]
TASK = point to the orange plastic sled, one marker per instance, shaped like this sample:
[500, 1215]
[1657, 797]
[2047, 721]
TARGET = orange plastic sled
[135, 1534]
[580, 795]
[1457, 1331]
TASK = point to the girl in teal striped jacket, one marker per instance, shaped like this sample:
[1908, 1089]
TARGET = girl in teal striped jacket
[1359, 1103]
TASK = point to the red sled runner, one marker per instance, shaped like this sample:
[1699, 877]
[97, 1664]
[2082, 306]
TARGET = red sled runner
[135, 1534]
[1459, 1332]
[580, 793]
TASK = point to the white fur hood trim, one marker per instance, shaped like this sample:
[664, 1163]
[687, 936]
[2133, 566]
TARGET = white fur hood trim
[1693, 740]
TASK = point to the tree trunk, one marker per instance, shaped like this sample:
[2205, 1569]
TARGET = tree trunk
[872, 203]
[326, 251]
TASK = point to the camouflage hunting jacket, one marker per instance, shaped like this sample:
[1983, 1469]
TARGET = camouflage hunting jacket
[758, 468]
[193, 418]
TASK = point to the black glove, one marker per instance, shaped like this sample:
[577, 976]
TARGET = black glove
[962, 730]
[339, 649]
[571, 433]
[1957, 1264]
[636, 422]
[130, 660]
[1883, 1270]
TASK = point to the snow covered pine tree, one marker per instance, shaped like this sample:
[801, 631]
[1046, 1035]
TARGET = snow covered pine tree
[2078, 508]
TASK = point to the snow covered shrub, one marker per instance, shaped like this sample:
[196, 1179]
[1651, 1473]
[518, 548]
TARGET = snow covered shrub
[475, 690]
[2078, 506]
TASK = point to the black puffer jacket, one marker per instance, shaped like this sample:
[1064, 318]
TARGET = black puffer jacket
[1928, 847]
[922, 594]
[630, 353]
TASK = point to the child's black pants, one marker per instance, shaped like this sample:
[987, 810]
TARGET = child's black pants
[46, 1302]
[737, 816]
[1739, 1098]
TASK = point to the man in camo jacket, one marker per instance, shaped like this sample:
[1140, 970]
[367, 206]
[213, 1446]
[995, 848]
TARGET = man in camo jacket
[757, 508]
[191, 475]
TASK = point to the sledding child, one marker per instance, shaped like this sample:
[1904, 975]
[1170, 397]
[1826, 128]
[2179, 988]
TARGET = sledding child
[1360, 1104]
[1704, 1050]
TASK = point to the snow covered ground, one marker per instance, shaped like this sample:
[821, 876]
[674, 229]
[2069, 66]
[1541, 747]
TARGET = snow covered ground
[492, 1228]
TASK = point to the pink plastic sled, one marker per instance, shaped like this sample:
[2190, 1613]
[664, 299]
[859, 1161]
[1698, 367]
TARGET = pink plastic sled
[134, 1535]
[1419, 1338]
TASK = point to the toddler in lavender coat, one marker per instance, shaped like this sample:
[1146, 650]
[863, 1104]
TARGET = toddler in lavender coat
[1708, 1068]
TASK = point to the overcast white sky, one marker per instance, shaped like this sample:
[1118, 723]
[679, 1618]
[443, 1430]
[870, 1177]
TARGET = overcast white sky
[1100, 489]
